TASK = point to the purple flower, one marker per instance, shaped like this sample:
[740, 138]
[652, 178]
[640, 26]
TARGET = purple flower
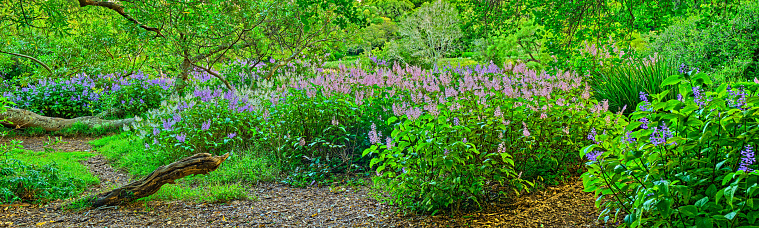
[525, 132]
[736, 99]
[455, 121]
[593, 156]
[181, 138]
[646, 106]
[177, 118]
[205, 125]
[643, 96]
[644, 120]
[389, 143]
[232, 135]
[147, 146]
[373, 137]
[592, 135]
[629, 138]
[660, 135]
[167, 124]
[747, 159]
[156, 131]
[697, 97]
[445, 152]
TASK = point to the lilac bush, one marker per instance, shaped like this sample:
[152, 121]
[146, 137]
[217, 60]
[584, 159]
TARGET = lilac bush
[84, 95]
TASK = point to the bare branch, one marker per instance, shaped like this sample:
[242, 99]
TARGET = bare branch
[33, 59]
[116, 7]
[226, 83]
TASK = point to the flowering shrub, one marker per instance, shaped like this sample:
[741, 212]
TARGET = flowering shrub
[459, 134]
[136, 96]
[683, 162]
[207, 119]
[58, 98]
[84, 95]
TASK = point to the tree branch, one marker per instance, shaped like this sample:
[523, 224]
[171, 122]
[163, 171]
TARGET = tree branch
[226, 83]
[32, 58]
[116, 7]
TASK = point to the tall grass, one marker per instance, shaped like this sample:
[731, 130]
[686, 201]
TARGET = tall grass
[621, 84]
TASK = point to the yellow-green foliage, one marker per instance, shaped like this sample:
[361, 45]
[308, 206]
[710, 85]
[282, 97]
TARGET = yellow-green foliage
[67, 162]
[210, 193]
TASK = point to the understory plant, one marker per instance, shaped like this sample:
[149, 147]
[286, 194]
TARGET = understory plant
[682, 162]
[621, 83]
[84, 95]
[462, 135]
[20, 182]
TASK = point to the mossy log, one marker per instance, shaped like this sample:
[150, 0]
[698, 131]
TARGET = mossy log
[20, 118]
[202, 163]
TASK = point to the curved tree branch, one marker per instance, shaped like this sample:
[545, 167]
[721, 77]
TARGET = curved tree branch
[32, 58]
[116, 7]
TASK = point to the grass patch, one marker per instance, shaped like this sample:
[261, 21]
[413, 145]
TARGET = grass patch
[67, 162]
[348, 61]
[212, 193]
[38, 177]
[128, 154]
[224, 184]
[463, 62]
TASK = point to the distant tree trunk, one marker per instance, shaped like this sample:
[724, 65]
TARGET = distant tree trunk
[20, 118]
[202, 163]
[184, 71]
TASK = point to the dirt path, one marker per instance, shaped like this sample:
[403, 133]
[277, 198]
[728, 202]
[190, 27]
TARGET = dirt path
[279, 205]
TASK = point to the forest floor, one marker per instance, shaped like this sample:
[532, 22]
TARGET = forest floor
[279, 205]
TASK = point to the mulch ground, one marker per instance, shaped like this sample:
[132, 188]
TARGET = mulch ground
[279, 205]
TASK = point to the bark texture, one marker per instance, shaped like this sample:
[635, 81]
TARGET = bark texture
[202, 163]
[20, 118]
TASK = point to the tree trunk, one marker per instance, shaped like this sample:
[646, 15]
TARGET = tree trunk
[202, 163]
[184, 71]
[20, 118]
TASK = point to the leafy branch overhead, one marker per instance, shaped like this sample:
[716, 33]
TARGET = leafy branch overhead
[115, 6]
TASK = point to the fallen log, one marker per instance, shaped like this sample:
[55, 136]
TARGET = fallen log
[202, 163]
[20, 118]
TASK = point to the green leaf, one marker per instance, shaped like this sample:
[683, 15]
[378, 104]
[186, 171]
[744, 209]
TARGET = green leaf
[700, 203]
[689, 210]
[731, 215]
[704, 223]
[671, 80]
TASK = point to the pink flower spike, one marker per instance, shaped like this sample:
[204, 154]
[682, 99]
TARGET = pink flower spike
[756, 80]
[525, 132]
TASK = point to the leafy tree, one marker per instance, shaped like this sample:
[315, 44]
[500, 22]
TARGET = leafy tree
[377, 34]
[522, 44]
[187, 35]
[393, 9]
[432, 31]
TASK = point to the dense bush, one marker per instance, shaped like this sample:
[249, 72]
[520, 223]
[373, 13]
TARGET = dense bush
[683, 162]
[57, 98]
[85, 96]
[460, 134]
[136, 96]
[32, 183]
[727, 44]
[523, 44]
